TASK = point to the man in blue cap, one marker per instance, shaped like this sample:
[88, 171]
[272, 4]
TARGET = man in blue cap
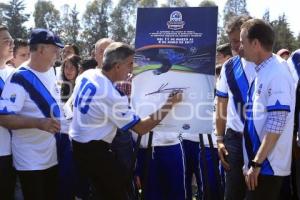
[30, 108]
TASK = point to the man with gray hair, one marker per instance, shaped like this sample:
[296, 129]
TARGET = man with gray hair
[99, 109]
[122, 144]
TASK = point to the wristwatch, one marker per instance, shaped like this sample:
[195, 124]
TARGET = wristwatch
[255, 164]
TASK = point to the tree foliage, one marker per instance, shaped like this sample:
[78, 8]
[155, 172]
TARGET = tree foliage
[70, 25]
[123, 26]
[3, 8]
[175, 3]
[207, 3]
[46, 16]
[234, 8]
[298, 41]
[96, 22]
[283, 35]
[266, 16]
[15, 18]
[147, 3]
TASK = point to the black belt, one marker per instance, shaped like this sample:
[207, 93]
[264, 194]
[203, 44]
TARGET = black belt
[92, 145]
[232, 133]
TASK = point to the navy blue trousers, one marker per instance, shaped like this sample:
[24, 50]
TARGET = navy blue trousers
[165, 175]
[195, 166]
[7, 178]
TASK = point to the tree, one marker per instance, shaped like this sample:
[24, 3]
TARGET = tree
[266, 16]
[207, 3]
[283, 35]
[70, 26]
[175, 3]
[234, 8]
[118, 27]
[147, 3]
[95, 22]
[122, 28]
[46, 16]
[211, 3]
[298, 41]
[14, 17]
[3, 8]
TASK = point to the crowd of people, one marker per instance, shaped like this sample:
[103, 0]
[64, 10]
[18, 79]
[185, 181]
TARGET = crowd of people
[68, 130]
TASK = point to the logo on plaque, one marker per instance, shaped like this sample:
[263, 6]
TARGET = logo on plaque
[175, 22]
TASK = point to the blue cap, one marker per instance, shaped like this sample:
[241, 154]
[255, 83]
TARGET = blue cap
[44, 36]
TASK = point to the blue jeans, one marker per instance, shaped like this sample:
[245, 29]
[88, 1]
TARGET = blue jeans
[235, 186]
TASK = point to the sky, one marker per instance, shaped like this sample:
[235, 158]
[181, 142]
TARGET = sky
[256, 8]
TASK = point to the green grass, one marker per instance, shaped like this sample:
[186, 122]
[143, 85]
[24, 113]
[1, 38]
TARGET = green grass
[138, 70]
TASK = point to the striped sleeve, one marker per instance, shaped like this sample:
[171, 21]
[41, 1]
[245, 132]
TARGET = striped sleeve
[222, 86]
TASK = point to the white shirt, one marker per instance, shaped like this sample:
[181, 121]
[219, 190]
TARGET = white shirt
[99, 109]
[32, 149]
[57, 71]
[67, 116]
[5, 139]
[65, 122]
[272, 90]
[233, 79]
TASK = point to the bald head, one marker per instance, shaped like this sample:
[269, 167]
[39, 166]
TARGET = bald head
[100, 46]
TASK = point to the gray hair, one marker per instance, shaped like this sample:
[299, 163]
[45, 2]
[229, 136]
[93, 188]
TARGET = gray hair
[115, 53]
